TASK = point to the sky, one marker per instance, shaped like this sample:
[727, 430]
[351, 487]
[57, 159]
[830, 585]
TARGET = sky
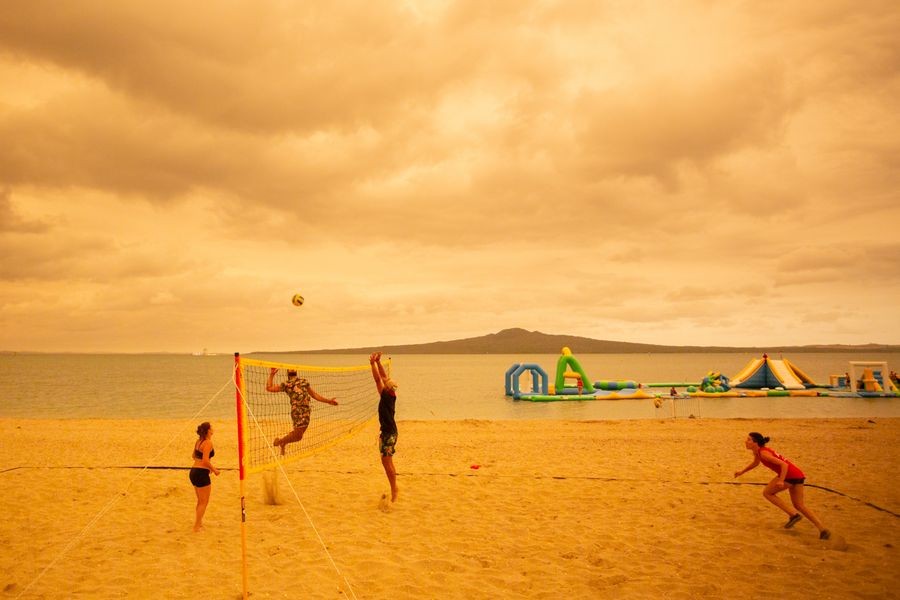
[691, 172]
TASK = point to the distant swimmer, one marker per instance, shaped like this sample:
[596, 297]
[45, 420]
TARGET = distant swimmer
[788, 476]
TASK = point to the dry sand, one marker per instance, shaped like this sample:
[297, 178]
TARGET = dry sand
[555, 509]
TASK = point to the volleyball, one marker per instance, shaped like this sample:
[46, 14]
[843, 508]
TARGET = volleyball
[297, 300]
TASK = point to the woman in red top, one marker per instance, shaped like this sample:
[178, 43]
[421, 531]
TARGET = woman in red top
[788, 476]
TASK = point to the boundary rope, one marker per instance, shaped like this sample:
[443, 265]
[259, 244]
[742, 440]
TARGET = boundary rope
[559, 477]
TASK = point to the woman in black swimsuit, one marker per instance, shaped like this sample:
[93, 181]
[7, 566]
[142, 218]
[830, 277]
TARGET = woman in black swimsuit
[203, 452]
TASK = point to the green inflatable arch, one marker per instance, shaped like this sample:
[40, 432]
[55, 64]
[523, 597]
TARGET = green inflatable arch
[567, 361]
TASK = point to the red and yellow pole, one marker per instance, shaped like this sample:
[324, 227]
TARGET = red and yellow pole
[239, 402]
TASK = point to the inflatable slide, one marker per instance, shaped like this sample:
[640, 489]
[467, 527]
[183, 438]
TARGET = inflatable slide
[768, 372]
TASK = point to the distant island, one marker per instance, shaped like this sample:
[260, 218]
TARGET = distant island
[522, 341]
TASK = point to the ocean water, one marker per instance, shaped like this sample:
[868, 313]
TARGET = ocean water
[446, 387]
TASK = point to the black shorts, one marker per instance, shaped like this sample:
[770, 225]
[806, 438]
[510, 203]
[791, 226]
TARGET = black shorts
[790, 481]
[199, 477]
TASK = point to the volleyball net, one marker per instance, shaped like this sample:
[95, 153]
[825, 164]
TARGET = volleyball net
[277, 402]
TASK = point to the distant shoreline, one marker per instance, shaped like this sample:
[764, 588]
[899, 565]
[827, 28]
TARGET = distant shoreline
[403, 350]
[521, 341]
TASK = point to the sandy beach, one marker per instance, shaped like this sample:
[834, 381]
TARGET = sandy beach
[554, 509]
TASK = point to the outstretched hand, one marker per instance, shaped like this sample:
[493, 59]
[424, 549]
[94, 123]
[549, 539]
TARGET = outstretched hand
[272, 371]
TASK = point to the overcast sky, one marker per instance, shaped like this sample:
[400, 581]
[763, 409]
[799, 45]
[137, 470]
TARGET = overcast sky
[685, 172]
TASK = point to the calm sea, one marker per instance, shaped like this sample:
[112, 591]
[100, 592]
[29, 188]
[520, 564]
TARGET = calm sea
[447, 387]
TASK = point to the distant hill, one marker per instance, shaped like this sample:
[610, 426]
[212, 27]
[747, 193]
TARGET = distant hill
[521, 341]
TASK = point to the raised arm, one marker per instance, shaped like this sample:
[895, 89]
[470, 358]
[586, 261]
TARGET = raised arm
[270, 382]
[377, 370]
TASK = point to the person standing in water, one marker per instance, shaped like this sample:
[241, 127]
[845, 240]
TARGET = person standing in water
[387, 438]
[788, 476]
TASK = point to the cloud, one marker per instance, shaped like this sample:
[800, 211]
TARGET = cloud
[683, 173]
[634, 131]
[12, 222]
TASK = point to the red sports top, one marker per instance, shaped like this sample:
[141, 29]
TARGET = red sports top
[793, 471]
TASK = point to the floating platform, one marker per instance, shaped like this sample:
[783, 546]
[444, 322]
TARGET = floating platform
[753, 393]
[629, 394]
[792, 393]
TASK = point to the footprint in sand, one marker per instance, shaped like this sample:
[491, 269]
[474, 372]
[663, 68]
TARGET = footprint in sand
[384, 505]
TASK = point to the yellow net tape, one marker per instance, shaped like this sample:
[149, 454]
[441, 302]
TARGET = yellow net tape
[286, 411]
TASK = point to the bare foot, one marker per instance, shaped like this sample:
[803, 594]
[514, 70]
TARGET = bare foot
[198, 528]
[394, 493]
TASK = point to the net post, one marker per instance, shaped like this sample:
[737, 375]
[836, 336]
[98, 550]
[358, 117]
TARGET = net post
[239, 404]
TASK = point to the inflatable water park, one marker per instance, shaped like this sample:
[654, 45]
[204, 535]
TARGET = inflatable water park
[768, 376]
[765, 376]
[570, 383]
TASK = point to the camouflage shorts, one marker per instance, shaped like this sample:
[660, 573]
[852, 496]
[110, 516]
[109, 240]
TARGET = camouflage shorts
[300, 415]
[388, 444]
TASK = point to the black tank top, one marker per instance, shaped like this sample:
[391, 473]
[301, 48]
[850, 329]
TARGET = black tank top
[199, 455]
